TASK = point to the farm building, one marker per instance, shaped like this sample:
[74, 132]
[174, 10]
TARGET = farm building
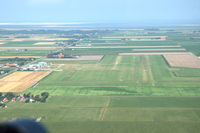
[34, 67]
[42, 64]
[12, 65]
[61, 55]
[30, 68]
[2, 71]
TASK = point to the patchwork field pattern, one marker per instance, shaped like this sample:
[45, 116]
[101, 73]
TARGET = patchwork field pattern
[20, 81]
[136, 93]
[184, 60]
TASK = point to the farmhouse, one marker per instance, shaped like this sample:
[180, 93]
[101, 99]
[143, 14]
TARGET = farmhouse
[61, 55]
[34, 67]
[163, 37]
[12, 65]
[2, 71]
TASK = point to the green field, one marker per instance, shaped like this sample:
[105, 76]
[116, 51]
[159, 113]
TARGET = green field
[113, 114]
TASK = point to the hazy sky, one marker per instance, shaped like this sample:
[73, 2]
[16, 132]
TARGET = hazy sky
[140, 11]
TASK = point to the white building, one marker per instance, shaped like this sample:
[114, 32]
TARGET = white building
[42, 64]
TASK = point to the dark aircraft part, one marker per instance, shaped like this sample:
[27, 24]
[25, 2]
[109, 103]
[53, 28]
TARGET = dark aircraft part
[22, 126]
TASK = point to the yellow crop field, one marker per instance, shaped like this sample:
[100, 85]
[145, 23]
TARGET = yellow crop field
[20, 81]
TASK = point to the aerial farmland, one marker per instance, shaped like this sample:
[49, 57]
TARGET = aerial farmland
[118, 80]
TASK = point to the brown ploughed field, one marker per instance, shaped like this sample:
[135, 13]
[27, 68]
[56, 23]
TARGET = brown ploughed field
[184, 60]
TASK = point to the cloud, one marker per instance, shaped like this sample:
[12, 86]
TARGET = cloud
[42, 2]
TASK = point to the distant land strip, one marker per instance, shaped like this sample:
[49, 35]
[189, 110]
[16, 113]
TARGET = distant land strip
[159, 49]
[6, 57]
[34, 48]
[158, 53]
[176, 46]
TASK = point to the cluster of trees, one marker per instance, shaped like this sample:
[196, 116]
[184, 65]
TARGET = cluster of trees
[17, 59]
[36, 98]
[3, 105]
[8, 95]
[5, 71]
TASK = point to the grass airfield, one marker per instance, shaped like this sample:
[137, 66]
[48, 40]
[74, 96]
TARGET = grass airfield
[121, 75]
[133, 93]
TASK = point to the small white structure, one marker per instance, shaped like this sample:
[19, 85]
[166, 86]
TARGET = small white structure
[42, 64]
[34, 67]
[31, 100]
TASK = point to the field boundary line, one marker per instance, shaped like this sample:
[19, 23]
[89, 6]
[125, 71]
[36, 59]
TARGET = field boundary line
[144, 69]
[104, 110]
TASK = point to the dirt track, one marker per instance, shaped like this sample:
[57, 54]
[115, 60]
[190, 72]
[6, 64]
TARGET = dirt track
[94, 58]
[117, 61]
[20, 81]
